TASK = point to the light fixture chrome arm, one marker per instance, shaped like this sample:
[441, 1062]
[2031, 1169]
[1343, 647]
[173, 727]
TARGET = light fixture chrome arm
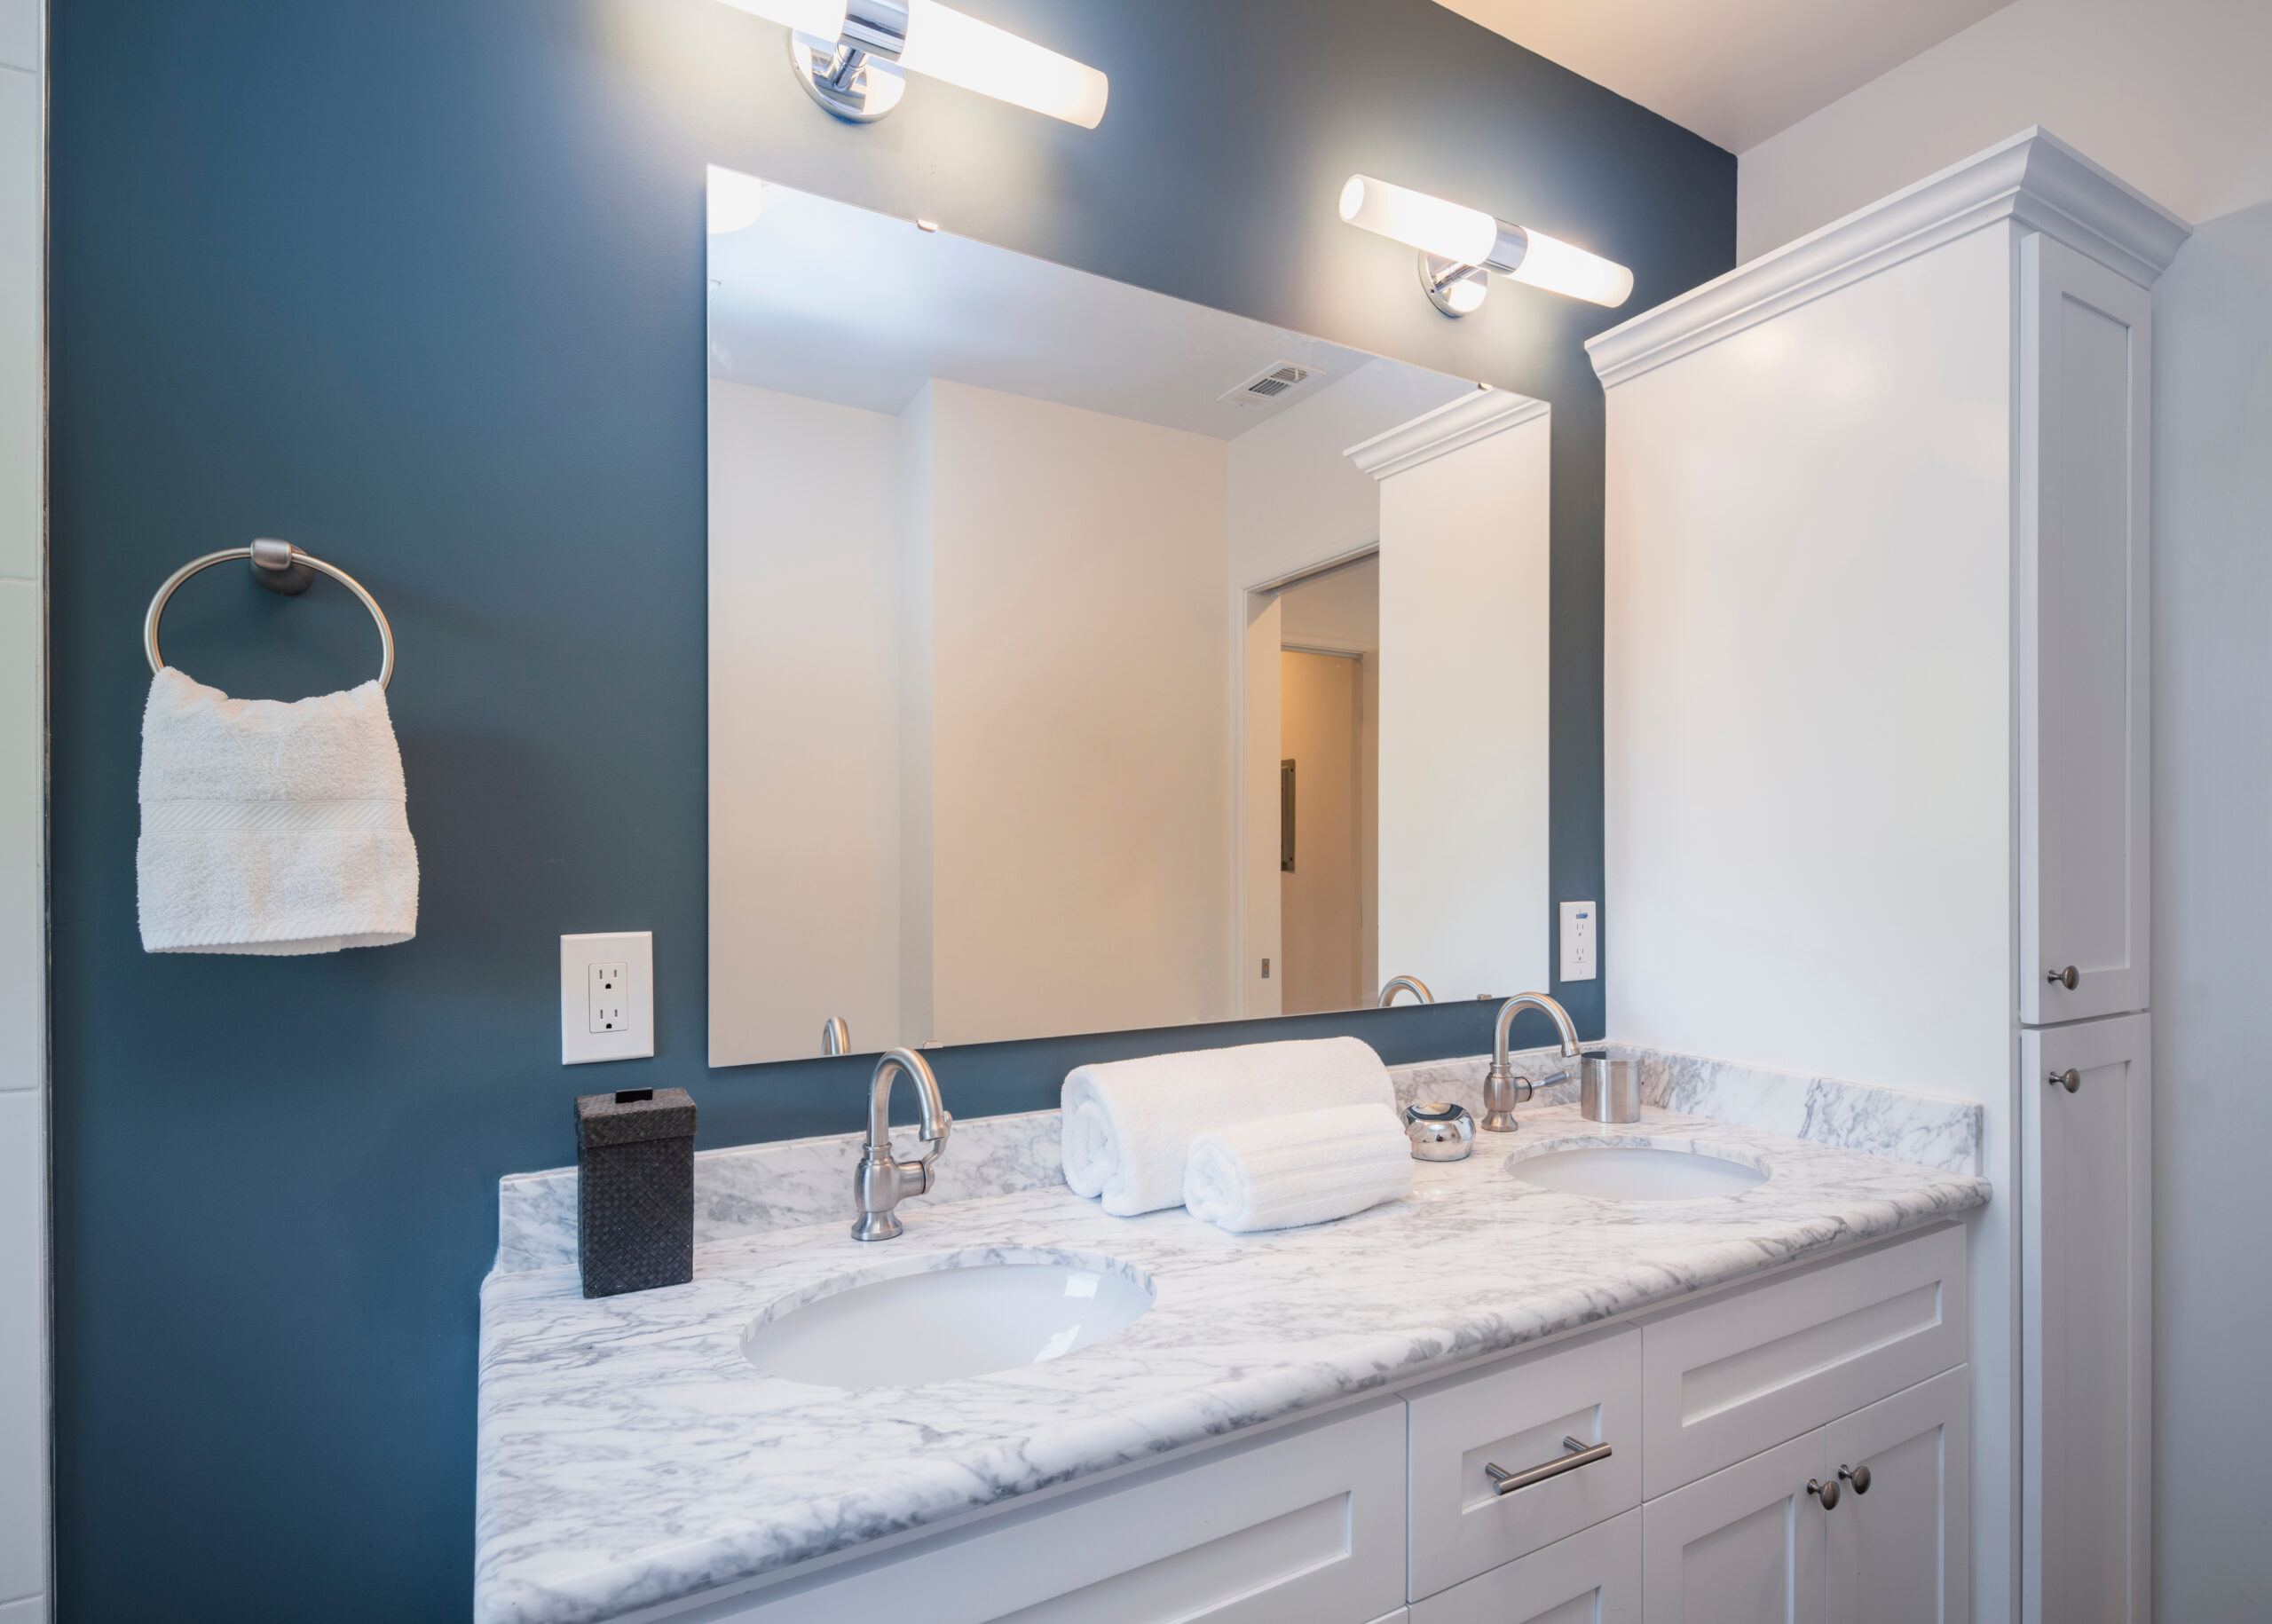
[1499, 1096]
[881, 1181]
[1412, 984]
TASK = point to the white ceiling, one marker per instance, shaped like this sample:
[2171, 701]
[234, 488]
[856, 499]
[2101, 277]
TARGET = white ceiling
[1734, 71]
[829, 301]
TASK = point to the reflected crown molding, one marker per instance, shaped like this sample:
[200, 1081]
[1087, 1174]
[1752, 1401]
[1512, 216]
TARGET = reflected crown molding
[2034, 179]
[1459, 423]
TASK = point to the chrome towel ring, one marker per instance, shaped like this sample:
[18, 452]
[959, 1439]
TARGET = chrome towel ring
[282, 568]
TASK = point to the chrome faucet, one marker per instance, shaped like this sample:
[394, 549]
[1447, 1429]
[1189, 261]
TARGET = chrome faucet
[1412, 984]
[1499, 1097]
[882, 1181]
[835, 1035]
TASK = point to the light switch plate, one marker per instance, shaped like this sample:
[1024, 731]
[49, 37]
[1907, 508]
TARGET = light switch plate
[607, 997]
[1580, 941]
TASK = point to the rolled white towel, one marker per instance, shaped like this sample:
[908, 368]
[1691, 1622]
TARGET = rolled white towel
[1284, 1171]
[1128, 1124]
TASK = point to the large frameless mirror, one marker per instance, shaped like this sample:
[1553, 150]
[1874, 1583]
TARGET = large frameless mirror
[1082, 659]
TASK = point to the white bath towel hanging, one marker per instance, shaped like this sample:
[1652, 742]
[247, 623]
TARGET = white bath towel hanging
[1284, 1171]
[270, 827]
[1129, 1125]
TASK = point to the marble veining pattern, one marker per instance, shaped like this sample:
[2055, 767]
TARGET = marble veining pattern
[751, 1189]
[629, 1455]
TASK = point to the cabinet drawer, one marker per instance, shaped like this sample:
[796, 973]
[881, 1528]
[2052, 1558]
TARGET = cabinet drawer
[1515, 1416]
[1744, 1372]
[1590, 1578]
[1302, 1529]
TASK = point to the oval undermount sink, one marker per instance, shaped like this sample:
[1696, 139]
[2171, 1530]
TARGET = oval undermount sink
[941, 1319]
[1612, 1171]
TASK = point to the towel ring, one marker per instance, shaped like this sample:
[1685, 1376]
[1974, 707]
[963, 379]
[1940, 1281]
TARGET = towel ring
[282, 568]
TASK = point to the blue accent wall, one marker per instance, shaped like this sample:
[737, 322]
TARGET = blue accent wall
[418, 285]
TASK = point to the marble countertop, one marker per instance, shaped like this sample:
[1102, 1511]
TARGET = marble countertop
[629, 1455]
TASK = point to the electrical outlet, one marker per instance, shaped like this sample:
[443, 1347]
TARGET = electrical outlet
[607, 997]
[610, 1005]
[1581, 961]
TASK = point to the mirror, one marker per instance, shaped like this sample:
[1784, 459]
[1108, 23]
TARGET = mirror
[1082, 659]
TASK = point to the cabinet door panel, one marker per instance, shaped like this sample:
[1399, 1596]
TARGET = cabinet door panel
[1743, 1545]
[1898, 1552]
[1301, 1530]
[2083, 650]
[2086, 1294]
[1590, 1578]
[1733, 1376]
[1515, 1416]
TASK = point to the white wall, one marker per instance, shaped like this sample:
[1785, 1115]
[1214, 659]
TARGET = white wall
[1081, 713]
[2213, 899]
[2174, 96]
[804, 746]
[24, 1540]
[1464, 682]
[1296, 500]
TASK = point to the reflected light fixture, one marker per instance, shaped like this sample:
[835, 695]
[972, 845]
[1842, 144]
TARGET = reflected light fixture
[1459, 247]
[854, 57]
[736, 200]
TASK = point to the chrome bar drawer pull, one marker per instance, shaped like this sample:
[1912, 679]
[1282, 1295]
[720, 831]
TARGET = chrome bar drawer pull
[1577, 1455]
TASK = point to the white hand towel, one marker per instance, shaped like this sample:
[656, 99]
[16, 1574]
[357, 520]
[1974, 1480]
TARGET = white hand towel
[1284, 1171]
[272, 828]
[1128, 1124]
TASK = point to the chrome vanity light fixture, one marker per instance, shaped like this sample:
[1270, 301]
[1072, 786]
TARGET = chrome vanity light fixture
[854, 56]
[1459, 247]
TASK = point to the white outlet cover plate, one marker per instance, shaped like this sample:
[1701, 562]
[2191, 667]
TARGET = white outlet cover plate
[1580, 941]
[635, 951]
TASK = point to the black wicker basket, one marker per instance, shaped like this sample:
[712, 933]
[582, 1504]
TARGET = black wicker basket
[634, 1190]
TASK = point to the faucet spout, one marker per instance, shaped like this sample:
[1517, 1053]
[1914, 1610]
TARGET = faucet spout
[882, 1181]
[1500, 1095]
[1412, 984]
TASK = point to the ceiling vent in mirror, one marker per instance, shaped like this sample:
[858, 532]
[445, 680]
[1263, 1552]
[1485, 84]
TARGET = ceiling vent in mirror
[1274, 381]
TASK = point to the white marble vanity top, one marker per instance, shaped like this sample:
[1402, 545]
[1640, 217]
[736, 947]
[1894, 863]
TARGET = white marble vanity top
[630, 1454]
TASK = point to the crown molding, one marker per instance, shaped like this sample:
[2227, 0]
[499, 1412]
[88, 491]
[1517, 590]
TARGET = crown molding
[2034, 179]
[1458, 422]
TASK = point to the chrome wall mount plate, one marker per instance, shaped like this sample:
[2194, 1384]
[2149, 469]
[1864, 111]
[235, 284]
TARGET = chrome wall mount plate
[1452, 287]
[856, 85]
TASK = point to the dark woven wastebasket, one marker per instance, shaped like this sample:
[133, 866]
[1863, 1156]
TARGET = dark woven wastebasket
[635, 1189]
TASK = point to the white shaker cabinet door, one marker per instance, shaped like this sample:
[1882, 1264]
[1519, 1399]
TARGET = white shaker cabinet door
[2086, 1295]
[2082, 614]
[1899, 1538]
[1743, 1545]
[1590, 1578]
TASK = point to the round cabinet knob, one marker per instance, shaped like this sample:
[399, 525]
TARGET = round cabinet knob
[1828, 1493]
[1858, 1476]
[2070, 1079]
[2066, 978]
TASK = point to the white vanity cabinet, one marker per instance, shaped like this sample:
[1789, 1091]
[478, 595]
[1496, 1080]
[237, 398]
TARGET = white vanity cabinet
[1717, 1417]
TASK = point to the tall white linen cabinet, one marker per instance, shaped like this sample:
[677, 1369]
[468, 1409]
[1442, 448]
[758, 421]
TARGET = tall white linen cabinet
[1877, 760]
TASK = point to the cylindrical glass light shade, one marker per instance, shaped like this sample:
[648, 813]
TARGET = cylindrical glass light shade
[946, 44]
[1555, 265]
[1428, 224]
[821, 19]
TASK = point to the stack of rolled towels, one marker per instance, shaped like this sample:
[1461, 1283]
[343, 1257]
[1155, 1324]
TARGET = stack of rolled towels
[1263, 1136]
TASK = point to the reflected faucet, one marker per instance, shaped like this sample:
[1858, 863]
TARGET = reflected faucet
[1499, 1097]
[882, 1181]
[1412, 984]
[835, 1035]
